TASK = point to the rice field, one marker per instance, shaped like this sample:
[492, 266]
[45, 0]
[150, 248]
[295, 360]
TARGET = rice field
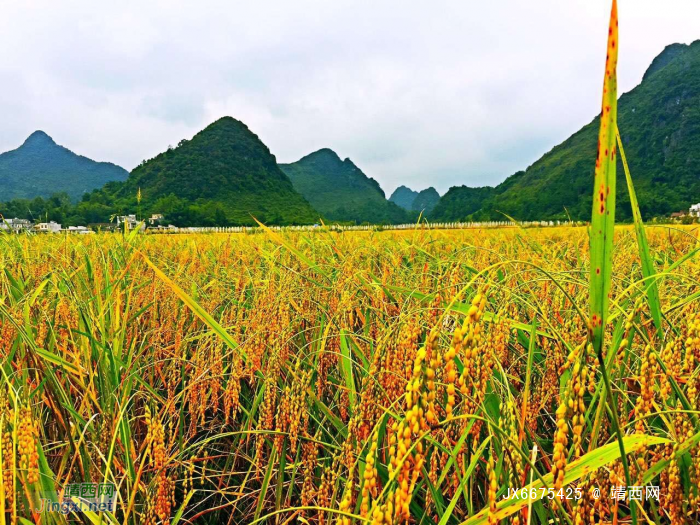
[383, 377]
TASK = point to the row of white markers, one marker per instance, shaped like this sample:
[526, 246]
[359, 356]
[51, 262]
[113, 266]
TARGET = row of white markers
[367, 227]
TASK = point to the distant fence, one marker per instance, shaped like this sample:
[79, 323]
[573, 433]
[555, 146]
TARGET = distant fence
[367, 227]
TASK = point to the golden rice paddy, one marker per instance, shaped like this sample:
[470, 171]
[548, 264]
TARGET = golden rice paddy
[369, 377]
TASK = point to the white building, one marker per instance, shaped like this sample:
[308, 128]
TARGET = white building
[155, 218]
[695, 210]
[77, 229]
[16, 225]
[48, 227]
[131, 220]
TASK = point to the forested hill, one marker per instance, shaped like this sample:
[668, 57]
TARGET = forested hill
[225, 175]
[341, 191]
[659, 122]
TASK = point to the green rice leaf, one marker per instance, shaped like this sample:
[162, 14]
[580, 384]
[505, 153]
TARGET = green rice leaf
[648, 270]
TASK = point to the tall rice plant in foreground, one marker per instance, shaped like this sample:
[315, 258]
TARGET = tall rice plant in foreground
[602, 230]
[451, 377]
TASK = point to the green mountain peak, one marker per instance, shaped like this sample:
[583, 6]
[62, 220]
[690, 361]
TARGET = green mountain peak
[669, 53]
[38, 139]
[224, 175]
[404, 196]
[418, 201]
[340, 190]
[40, 167]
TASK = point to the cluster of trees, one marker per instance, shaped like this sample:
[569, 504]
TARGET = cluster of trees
[57, 207]
[101, 206]
[98, 207]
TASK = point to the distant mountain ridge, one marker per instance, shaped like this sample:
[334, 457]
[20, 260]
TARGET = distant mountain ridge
[225, 175]
[659, 122]
[423, 201]
[340, 190]
[404, 196]
[40, 167]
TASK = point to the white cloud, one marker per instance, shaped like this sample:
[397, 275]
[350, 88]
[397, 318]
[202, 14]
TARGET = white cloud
[416, 93]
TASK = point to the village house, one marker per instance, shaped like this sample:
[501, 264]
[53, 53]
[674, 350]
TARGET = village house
[695, 210]
[160, 228]
[82, 230]
[102, 226]
[15, 225]
[131, 221]
[47, 227]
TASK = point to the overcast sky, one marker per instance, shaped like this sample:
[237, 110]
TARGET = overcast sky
[416, 93]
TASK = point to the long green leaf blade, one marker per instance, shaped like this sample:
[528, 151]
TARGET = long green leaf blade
[603, 214]
[648, 270]
[576, 470]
